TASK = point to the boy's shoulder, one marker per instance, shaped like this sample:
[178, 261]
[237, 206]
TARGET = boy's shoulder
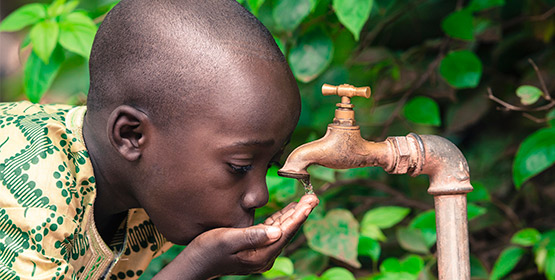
[43, 159]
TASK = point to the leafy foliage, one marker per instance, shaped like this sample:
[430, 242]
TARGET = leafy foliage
[536, 153]
[53, 25]
[432, 66]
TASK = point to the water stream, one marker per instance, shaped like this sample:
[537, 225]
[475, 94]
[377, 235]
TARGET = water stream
[308, 189]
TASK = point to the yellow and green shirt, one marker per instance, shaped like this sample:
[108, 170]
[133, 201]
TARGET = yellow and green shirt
[47, 192]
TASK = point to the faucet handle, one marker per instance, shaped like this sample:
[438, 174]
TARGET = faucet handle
[345, 90]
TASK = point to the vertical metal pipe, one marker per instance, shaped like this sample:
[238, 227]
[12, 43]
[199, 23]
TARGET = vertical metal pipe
[452, 237]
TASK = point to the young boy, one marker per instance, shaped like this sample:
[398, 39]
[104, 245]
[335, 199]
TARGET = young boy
[189, 102]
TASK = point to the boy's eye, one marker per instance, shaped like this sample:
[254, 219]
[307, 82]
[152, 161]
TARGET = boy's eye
[239, 169]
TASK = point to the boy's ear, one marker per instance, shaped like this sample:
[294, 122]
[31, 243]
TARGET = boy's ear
[128, 131]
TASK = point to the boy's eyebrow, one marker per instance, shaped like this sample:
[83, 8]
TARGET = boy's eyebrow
[268, 142]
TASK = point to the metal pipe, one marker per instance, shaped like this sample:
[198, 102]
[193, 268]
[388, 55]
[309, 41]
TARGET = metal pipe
[342, 147]
[452, 237]
[449, 184]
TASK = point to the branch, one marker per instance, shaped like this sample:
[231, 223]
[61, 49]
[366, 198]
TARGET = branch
[511, 107]
[534, 119]
[546, 94]
[540, 17]
[511, 215]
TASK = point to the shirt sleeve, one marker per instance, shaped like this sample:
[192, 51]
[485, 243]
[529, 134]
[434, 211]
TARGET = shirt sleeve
[34, 244]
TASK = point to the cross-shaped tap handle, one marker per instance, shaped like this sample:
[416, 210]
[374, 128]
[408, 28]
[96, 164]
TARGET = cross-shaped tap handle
[345, 90]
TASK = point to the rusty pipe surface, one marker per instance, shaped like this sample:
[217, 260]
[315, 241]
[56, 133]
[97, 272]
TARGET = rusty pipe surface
[441, 160]
[449, 184]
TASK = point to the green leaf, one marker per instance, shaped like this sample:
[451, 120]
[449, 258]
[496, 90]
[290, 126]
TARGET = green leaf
[477, 269]
[541, 249]
[412, 240]
[551, 117]
[372, 231]
[407, 269]
[526, 237]
[282, 267]
[25, 42]
[77, 33]
[390, 265]
[38, 76]
[280, 45]
[480, 5]
[412, 264]
[535, 154]
[24, 16]
[336, 235]
[424, 220]
[70, 6]
[44, 36]
[313, 5]
[385, 217]
[506, 262]
[255, 5]
[280, 189]
[337, 273]
[528, 94]
[422, 110]
[307, 261]
[369, 247]
[56, 8]
[547, 241]
[539, 258]
[480, 193]
[461, 69]
[288, 14]
[459, 25]
[311, 56]
[550, 264]
[475, 211]
[426, 223]
[353, 14]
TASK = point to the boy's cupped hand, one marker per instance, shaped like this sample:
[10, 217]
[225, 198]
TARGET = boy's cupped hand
[231, 251]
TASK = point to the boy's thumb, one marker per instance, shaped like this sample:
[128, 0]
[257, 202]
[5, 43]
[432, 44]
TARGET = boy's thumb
[259, 236]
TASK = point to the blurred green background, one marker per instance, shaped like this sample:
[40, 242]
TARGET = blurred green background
[478, 72]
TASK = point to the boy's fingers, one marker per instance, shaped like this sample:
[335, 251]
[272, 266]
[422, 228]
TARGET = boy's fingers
[310, 199]
[252, 237]
[270, 220]
[287, 214]
[290, 225]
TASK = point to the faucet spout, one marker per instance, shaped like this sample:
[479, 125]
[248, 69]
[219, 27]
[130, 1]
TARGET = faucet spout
[342, 147]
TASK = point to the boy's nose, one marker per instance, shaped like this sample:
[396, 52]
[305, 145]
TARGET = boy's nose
[256, 196]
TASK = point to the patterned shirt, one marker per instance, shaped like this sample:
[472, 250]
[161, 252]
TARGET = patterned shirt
[47, 192]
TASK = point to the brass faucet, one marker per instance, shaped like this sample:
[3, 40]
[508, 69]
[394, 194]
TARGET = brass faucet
[342, 147]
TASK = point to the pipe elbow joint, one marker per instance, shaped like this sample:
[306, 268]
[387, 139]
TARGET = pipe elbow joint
[446, 166]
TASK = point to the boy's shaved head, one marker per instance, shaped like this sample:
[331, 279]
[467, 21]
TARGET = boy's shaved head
[168, 57]
[189, 103]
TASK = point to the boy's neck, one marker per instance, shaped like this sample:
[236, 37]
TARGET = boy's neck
[109, 205]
